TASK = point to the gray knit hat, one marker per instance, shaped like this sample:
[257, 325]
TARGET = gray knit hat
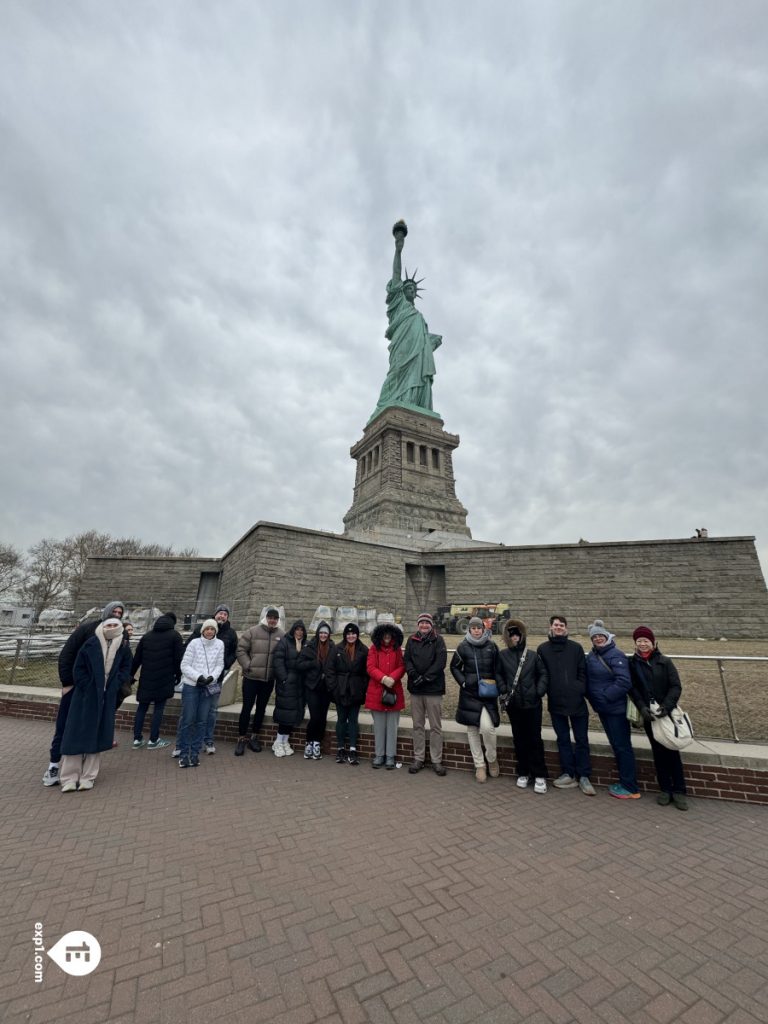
[598, 627]
[475, 621]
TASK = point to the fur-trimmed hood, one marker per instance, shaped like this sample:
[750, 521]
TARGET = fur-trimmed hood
[377, 635]
[520, 626]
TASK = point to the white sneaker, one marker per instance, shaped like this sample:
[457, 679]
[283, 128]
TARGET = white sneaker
[210, 748]
[540, 786]
[316, 751]
[176, 752]
[51, 777]
[288, 749]
[308, 752]
[522, 781]
[278, 749]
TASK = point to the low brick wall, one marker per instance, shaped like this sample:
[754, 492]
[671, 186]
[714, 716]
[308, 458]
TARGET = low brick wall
[704, 777]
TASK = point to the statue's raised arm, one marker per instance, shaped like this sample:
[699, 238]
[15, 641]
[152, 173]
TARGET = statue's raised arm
[411, 371]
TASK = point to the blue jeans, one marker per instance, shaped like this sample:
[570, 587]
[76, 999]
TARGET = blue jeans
[210, 723]
[574, 757]
[157, 720]
[620, 737]
[195, 703]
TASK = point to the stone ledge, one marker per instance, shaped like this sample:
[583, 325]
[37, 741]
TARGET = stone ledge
[715, 769]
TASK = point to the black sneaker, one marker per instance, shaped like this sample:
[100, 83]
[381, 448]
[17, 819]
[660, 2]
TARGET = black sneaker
[341, 756]
[183, 762]
[255, 745]
[240, 748]
[194, 762]
[439, 769]
[415, 768]
[352, 756]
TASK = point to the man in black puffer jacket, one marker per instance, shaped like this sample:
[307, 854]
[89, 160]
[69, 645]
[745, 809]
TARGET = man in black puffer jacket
[425, 656]
[522, 679]
[158, 656]
[568, 709]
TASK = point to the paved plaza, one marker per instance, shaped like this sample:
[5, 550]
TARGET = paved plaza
[256, 889]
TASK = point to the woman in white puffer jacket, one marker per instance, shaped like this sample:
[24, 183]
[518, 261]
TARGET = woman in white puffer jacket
[201, 666]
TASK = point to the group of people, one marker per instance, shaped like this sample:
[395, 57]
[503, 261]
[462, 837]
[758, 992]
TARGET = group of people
[97, 670]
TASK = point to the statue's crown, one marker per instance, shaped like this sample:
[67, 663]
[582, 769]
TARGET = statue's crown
[414, 281]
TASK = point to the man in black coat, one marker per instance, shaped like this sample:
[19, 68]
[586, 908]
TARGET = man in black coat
[568, 709]
[67, 657]
[228, 637]
[424, 657]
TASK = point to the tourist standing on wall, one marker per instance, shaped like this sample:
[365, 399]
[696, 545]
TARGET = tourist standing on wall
[228, 637]
[67, 658]
[201, 666]
[384, 697]
[566, 690]
[655, 678]
[255, 655]
[102, 665]
[289, 689]
[158, 658]
[608, 684]
[475, 659]
[425, 657]
[347, 680]
[313, 663]
[522, 678]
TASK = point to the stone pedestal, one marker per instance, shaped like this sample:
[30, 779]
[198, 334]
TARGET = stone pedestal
[404, 477]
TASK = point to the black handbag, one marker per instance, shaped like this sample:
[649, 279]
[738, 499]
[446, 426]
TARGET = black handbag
[389, 698]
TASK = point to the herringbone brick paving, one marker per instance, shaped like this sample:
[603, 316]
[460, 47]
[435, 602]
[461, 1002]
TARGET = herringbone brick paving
[256, 889]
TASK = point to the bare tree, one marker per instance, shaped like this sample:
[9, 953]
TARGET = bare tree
[11, 570]
[48, 575]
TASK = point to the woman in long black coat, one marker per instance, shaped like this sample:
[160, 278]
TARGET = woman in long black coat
[347, 680]
[289, 688]
[102, 665]
[158, 656]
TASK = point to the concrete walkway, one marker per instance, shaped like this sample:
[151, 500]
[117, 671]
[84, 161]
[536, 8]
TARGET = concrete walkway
[256, 889]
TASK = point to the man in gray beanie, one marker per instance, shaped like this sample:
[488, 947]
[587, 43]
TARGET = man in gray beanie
[67, 657]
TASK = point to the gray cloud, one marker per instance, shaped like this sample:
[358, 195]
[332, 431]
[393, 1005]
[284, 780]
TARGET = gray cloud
[195, 239]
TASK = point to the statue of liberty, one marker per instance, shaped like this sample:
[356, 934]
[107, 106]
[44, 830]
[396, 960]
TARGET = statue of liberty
[408, 383]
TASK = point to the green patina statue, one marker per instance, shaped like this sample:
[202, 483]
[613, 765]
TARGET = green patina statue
[408, 384]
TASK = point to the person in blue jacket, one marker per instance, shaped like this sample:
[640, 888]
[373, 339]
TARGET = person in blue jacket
[608, 683]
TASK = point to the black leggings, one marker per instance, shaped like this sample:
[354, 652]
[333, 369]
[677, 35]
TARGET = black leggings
[318, 702]
[258, 690]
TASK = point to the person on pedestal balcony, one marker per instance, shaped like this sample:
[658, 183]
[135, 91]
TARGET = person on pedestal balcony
[475, 660]
[655, 679]
[102, 665]
[384, 697]
[228, 637]
[425, 658]
[158, 658]
[522, 679]
[313, 663]
[67, 658]
[608, 684]
[568, 710]
[255, 655]
[347, 680]
[289, 688]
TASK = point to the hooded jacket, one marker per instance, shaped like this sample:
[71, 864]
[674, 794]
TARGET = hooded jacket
[158, 656]
[90, 725]
[289, 689]
[385, 661]
[533, 679]
[608, 679]
[347, 678]
[567, 687]
[77, 638]
[425, 658]
[473, 657]
[311, 668]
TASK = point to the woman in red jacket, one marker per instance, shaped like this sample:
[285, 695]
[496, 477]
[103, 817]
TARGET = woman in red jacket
[386, 669]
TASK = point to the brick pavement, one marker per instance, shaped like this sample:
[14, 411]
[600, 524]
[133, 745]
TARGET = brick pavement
[255, 889]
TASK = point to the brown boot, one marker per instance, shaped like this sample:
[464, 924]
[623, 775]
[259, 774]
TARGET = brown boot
[480, 774]
[493, 769]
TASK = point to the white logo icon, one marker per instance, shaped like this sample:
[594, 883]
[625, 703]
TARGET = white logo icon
[76, 953]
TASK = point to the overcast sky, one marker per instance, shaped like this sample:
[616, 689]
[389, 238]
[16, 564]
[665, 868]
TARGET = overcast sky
[196, 204]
